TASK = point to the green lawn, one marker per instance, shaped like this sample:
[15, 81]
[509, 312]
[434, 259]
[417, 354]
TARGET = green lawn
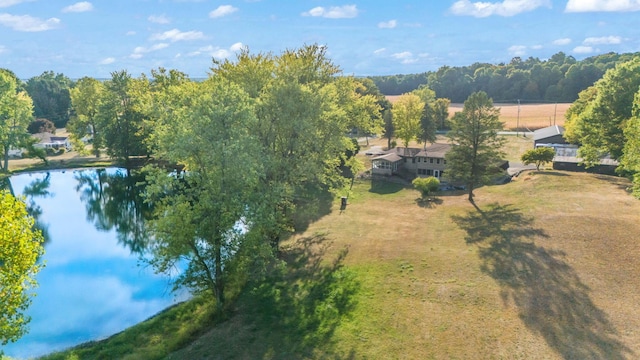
[544, 267]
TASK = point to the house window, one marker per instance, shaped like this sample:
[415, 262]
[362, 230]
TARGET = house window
[413, 160]
[429, 172]
[444, 161]
[431, 160]
[437, 161]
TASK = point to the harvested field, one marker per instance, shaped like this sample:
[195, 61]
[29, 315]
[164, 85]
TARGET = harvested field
[532, 116]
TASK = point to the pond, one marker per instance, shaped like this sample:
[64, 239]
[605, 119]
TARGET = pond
[94, 283]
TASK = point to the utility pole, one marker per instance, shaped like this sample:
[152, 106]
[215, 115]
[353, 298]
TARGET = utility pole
[518, 120]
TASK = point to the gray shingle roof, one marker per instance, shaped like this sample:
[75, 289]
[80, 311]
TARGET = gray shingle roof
[548, 132]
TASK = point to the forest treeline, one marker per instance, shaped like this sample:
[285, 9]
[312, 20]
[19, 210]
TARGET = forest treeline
[559, 79]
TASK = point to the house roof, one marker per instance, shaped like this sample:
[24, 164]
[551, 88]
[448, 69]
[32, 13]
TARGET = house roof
[436, 150]
[48, 138]
[574, 159]
[548, 132]
[392, 157]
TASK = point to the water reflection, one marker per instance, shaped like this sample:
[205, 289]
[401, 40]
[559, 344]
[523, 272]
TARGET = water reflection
[113, 200]
[93, 285]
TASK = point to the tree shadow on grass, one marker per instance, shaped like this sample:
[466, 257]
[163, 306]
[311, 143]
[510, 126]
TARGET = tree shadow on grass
[311, 207]
[550, 298]
[299, 305]
[384, 187]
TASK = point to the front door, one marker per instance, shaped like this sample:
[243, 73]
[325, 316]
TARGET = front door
[436, 173]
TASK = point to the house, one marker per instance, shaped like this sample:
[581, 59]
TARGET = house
[49, 141]
[413, 161]
[549, 135]
[566, 157]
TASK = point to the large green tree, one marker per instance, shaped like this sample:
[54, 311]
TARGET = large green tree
[303, 109]
[407, 115]
[20, 248]
[427, 121]
[441, 112]
[204, 212]
[630, 160]
[477, 147]
[51, 99]
[597, 120]
[86, 99]
[16, 110]
[122, 115]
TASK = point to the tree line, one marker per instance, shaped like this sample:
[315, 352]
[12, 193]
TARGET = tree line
[605, 120]
[558, 79]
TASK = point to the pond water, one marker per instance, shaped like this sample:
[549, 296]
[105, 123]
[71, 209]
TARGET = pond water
[94, 283]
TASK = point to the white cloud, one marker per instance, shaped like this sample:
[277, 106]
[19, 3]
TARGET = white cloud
[518, 50]
[7, 3]
[82, 6]
[380, 51]
[334, 12]
[130, 33]
[563, 41]
[177, 35]
[237, 46]
[139, 51]
[3, 49]
[602, 5]
[504, 8]
[604, 40]
[216, 51]
[387, 24]
[405, 57]
[222, 10]
[107, 61]
[583, 49]
[159, 19]
[28, 23]
[537, 47]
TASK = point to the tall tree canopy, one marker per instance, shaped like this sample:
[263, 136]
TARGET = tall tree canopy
[16, 110]
[303, 115]
[86, 99]
[203, 212]
[20, 248]
[427, 121]
[407, 115]
[631, 152]
[477, 148]
[121, 116]
[51, 99]
[598, 119]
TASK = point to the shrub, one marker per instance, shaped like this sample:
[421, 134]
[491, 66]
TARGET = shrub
[426, 185]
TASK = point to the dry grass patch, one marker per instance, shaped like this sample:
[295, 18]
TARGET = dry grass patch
[545, 267]
[531, 117]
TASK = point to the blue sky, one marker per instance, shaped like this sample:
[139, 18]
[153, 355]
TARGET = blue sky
[94, 38]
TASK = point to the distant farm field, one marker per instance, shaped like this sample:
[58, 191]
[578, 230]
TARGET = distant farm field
[531, 117]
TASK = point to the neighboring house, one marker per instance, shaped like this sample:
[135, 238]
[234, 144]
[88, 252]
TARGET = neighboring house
[13, 152]
[549, 135]
[415, 161]
[49, 141]
[567, 159]
[567, 154]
